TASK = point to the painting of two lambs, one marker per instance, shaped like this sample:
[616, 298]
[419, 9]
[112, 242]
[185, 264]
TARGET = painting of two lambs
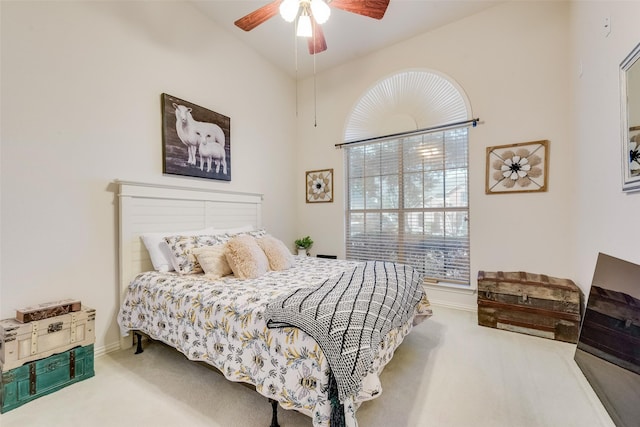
[196, 141]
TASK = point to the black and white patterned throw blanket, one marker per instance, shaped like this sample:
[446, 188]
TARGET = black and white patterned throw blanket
[349, 314]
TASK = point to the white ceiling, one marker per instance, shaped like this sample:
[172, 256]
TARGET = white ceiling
[348, 35]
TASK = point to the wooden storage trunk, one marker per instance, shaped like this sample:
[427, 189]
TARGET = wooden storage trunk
[533, 304]
[24, 342]
[41, 377]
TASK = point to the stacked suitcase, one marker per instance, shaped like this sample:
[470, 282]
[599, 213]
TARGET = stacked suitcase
[50, 349]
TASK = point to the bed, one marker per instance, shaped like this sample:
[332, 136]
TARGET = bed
[252, 329]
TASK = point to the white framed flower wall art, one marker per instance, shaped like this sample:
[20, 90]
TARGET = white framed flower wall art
[517, 168]
[319, 186]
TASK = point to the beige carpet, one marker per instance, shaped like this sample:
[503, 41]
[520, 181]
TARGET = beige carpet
[449, 372]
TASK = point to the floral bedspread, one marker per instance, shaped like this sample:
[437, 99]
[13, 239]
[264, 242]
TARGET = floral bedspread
[221, 323]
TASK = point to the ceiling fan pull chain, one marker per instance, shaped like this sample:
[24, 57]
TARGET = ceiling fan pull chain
[315, 91]
[315, 98]
[295, 56]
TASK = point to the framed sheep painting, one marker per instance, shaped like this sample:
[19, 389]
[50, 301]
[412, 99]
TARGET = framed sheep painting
[196, 142]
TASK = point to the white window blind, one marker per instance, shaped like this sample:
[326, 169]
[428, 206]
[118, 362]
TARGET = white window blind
[407, 201]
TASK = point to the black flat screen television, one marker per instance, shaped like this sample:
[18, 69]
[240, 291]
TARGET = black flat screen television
[608, 350]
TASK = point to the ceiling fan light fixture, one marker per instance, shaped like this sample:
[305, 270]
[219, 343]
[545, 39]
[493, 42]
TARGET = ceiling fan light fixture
[304, 26]
[302, 11]
[289, 10]
[321, 11]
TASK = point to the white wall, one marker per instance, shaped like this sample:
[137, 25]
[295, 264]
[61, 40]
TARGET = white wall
[81, 86]
[80, 105]
[513, 63]
[605, 218]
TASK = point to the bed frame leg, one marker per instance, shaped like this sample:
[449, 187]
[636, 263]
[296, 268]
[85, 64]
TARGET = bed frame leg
[139, 342]
[274, 417]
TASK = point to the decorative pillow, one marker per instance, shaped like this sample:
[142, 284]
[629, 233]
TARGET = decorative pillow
[258, 234]
[213, 260]
[279, 256]
[246, 259]
[246, 231]
[181, 247]
[159, 251]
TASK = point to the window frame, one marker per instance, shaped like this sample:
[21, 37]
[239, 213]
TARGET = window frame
[402, 244]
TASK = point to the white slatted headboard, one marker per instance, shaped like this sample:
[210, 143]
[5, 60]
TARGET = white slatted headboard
[148, 207]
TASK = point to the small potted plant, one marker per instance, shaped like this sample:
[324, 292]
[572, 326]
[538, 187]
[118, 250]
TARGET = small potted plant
[303, 244]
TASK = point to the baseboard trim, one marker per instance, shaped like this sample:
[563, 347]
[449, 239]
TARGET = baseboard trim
[456, 306]
[101, 351]
[452, 297]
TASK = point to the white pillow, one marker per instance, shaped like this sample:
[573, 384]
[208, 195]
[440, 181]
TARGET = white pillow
[159, 250]
[237, 230]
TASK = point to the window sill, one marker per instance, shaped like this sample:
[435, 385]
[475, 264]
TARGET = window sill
[451, 287]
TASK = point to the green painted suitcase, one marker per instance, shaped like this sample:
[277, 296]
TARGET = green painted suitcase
[44, 376]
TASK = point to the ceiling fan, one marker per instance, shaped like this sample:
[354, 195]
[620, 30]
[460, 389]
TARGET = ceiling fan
[310, 14]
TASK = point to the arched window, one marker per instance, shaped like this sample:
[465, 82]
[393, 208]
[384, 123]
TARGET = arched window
[407, 184]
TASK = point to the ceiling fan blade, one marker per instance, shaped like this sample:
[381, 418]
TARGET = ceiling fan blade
[371, 8]
[317, 42]
[258, 16]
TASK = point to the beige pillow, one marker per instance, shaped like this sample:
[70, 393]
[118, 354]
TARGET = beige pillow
[181, 247]
[246, 259]
[213, 260]
[279, 256]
